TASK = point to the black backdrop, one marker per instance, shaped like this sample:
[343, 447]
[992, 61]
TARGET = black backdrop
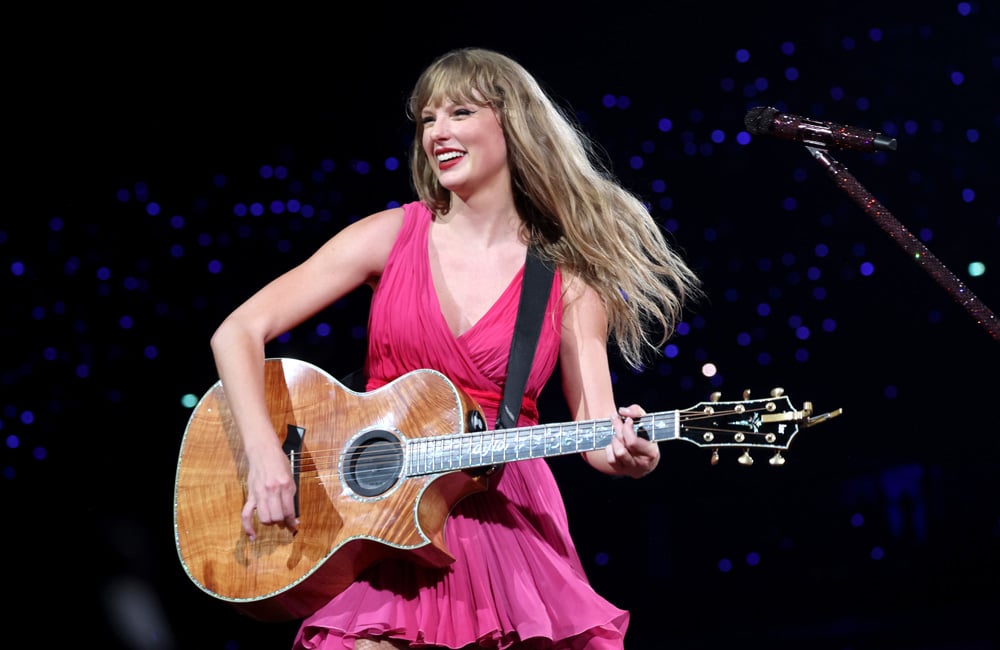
[136, 135]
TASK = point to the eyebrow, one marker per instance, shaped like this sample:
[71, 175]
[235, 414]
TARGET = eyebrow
[445, 104]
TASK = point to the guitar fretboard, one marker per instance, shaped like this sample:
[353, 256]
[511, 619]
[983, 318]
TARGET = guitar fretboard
[485, 448]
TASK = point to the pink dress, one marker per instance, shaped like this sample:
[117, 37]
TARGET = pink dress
[517, 574]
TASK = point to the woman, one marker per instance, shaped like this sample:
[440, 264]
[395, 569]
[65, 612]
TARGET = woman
[496, 167]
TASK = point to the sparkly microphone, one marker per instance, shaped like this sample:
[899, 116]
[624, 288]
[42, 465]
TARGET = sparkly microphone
[818, 136]
[764, 120]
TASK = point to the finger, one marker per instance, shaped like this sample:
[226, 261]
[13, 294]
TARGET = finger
[632, 410]
[291, 521]
[264, 513]
[609, 451]
[628, 436]
[622, 455]
[246, 516]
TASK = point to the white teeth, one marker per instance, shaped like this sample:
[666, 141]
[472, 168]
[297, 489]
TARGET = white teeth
[448, 156]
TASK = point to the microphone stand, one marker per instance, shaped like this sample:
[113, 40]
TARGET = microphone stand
[916, 249]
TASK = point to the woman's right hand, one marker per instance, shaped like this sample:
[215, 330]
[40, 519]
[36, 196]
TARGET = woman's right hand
[270, 492]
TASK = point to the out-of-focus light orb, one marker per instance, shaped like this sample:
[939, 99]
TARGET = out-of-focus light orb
[976, 269]
[709, 370]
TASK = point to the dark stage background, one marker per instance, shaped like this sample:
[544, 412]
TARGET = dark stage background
[144, 144]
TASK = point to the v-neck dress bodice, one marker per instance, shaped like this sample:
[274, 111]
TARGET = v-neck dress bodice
[516, 574]
[407, 329]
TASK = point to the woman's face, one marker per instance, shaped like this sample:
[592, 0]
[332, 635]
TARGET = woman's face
[465, 145]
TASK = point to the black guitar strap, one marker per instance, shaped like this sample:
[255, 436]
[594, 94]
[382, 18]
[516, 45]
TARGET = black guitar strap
[535, 288]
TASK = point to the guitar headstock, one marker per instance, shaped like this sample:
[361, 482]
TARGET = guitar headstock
[763, 423]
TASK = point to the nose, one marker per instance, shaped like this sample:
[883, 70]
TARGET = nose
[438, 129]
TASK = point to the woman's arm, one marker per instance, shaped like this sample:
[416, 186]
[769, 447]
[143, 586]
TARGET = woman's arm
[354, 256]
[586, 379]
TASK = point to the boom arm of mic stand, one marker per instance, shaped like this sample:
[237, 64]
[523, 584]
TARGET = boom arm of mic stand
[913, 246]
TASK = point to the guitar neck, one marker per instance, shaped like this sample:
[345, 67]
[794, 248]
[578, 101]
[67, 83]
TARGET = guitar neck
[486, 448]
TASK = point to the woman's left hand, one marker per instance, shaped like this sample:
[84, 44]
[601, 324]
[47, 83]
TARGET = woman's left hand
[628, 454]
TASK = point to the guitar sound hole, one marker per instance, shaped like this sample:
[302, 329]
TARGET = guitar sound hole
[374, 463]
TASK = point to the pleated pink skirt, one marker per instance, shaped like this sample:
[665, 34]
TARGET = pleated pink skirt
[516, 576]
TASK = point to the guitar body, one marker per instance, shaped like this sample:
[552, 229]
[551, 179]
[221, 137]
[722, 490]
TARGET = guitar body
[350, 517]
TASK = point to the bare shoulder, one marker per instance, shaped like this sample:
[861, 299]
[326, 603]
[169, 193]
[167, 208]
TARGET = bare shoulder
[364, 245]
[382, 226]
[578, 295]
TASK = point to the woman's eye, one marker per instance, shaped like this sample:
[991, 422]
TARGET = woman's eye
[463, 111]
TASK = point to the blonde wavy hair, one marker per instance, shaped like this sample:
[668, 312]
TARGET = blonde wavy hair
[574, 210]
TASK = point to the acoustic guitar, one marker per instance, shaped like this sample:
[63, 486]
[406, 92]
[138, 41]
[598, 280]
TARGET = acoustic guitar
[378, 473]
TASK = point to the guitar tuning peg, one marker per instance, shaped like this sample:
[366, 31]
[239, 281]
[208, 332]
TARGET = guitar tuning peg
[746, 394]
[777, 459]
[819, 418]
[715, 397]
[715, 457]
[745, 459]
[777, 392]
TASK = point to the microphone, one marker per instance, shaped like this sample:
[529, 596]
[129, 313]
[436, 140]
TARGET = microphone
[764, 120]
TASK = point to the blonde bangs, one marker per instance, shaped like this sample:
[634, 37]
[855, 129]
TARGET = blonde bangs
[471, 79]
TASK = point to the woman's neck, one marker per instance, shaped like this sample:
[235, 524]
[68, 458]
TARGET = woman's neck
[488, 220]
